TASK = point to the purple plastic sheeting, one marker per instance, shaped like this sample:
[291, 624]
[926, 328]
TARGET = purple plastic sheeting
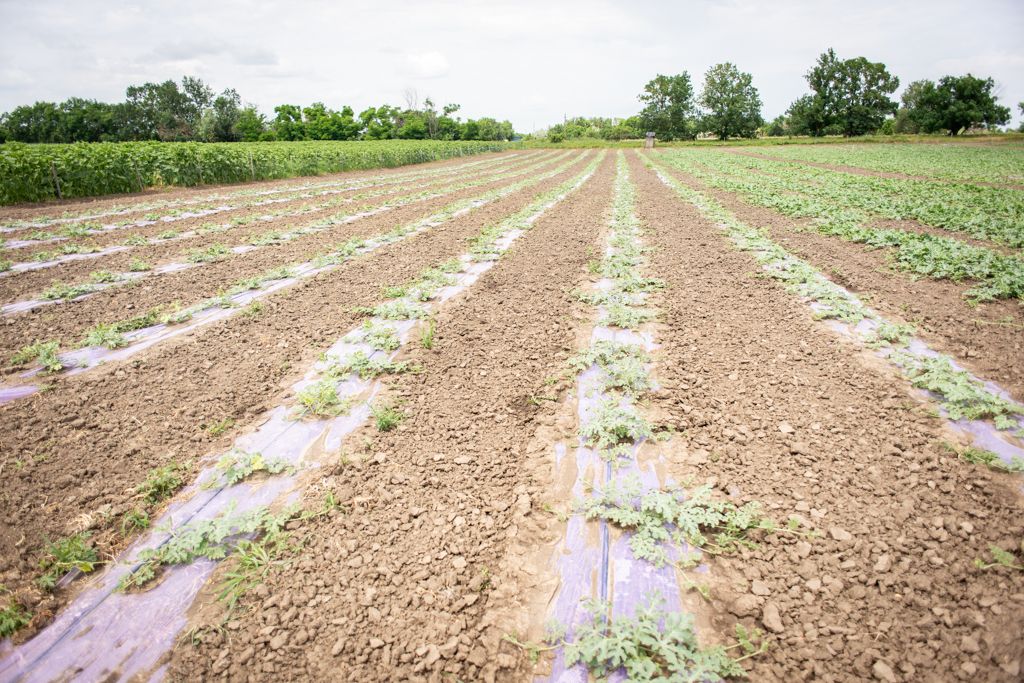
[104, 633]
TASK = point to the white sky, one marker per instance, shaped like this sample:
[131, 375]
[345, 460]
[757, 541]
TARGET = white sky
[527, 61]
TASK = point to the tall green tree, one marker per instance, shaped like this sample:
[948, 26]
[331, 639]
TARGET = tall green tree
[955, 103]
[251, 124]
[219, 120]
[288, 124]
[848, 96]
[669, 108]
[731, 102]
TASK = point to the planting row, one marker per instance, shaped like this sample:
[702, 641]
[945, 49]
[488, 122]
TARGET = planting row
[144, 264]
[217, 516]
[977, 407]
[999, 276]
[121, 339]
[985, 213]
[993, 163]
[651, 533]
[142, 213]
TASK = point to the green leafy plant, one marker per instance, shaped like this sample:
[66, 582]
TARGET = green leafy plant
[64, 555]
[59, 290]
[1000, 558]
[625, 317]
[137, 265]
[321, 399]
[365, 366]
[379, 336]
[613, 427]
[208, 538]
[653, 645]
[104, 335]
[658, 517]
[236, 465]
[44, 353]
[962, 396]
[135, 240]
[214, 252]
[104, 276]
[399, 309]
[622, 364]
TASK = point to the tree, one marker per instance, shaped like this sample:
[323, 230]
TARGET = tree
[287, 124]
[732, 102]
[251, 125]
[167, 112]
[1020, 105]
[668, 107]
[219, 121]
[848, 96]
[807, 116]
[956, 103]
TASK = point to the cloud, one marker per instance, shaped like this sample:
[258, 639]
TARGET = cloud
[427, 64]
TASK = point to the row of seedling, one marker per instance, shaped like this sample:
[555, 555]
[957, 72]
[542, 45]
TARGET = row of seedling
[641, 639]
[273, 237]
[225, 519]
[960, 395]
[175, 208]
[999, 276]
[134, 333]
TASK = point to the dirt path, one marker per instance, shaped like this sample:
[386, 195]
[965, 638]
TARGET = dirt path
[406, 576]
[987, 338]
[74, 455]
[68, 322]
[773, 407]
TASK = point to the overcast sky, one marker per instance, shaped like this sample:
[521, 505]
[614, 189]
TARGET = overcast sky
[530, 62]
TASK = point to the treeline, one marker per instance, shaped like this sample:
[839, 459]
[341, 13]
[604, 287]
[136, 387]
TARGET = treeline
[847, 97]
[191, 111]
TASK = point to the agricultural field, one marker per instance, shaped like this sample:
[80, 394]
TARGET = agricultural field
[525, 414]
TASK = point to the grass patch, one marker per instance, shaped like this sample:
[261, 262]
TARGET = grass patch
[162, 482]
[12, 618]
[386, 416]
[427, 334]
